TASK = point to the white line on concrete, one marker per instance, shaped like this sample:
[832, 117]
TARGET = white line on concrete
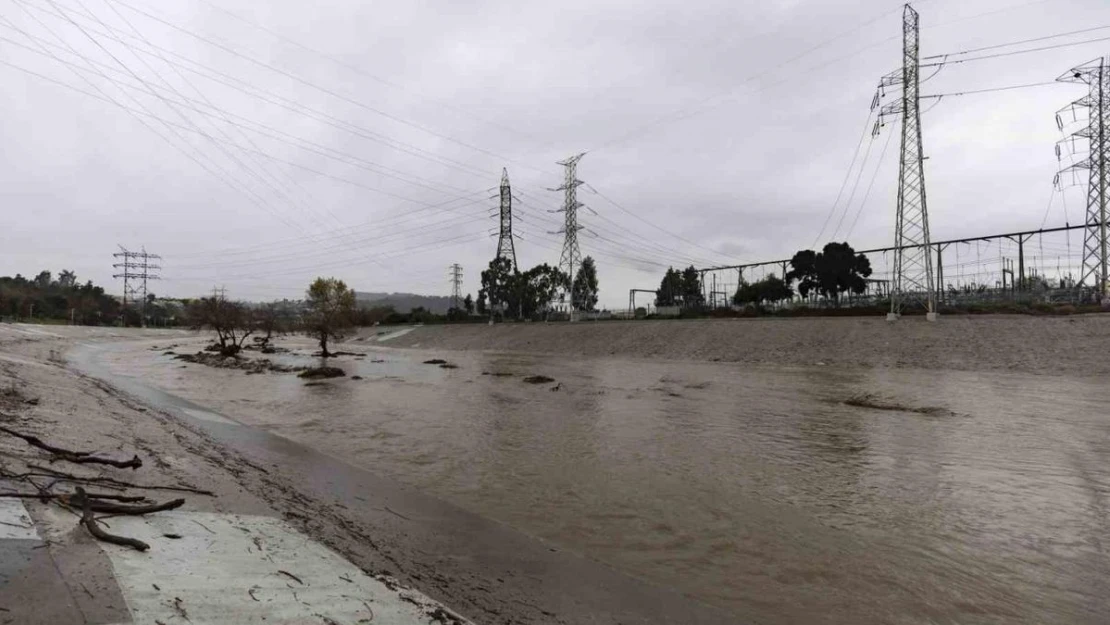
[15, 522]
[248, 570]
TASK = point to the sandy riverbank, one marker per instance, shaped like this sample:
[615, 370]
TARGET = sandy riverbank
[1053, 345]
[52, 571]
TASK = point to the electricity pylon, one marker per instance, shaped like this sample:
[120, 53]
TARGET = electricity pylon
[1096, 75]
[913, 263]
[456, 275]
[505, 248]
[571, 257]
[136, 266]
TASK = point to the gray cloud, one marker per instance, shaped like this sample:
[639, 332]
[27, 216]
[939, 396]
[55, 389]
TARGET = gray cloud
[749, 169]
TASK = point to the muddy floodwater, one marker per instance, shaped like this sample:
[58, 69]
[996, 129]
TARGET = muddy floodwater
[783, 495]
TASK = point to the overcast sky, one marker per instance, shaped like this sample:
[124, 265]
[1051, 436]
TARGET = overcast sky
[256, 145]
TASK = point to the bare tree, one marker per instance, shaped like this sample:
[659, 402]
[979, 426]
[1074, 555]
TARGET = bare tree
[232, 322]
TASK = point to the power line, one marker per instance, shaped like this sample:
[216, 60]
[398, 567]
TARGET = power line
[279, 100]
[867, 195]
[844, 183]
[246, 123]
[362, 72]
[989, 90]
[1017, 52]
[647, 245]
[1015, 43]
[308, 83]
[653, 225]
[219, 174]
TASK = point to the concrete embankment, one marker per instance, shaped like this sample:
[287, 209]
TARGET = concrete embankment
[1051, 345]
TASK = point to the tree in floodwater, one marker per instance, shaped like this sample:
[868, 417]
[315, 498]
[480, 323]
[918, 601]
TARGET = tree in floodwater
[329, 311]
[232, 321]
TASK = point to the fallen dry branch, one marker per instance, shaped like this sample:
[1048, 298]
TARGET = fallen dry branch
[98, 532]
[77, 457]
[110, 481]
[134, 463]
[115, 508]
[35, 441]
[45, 496]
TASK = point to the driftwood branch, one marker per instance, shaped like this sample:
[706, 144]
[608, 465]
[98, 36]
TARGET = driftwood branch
[98, 532]
[115, 508]
[112, 482]
[134, 463]
[94, 496]
[35, 441]
[78, 457]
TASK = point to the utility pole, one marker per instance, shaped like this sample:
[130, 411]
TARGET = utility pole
[505, 248]
[456, 275]
[571, 256]
[136, 268]
[1096, 75]
[913, 260]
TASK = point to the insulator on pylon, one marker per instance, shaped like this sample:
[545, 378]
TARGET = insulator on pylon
[875, 101]
[1057, 151]
[1059, 122]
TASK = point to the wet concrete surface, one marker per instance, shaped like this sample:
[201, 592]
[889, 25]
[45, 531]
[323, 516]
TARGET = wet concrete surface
[777, 494]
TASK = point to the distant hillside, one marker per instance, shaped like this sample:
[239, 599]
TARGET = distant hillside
[404, 302]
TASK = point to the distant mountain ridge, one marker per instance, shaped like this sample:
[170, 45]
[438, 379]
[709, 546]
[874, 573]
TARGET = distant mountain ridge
[404, 302]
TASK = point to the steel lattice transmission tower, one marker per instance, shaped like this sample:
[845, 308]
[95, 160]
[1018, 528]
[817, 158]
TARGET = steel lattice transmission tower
[136, 267]
[571, 257]
[913, 262]
[456, 275]
[1096, 75]
[505, 248]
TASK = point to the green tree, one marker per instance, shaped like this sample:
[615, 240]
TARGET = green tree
[536, 288]
[585, 285]
[481, 302]
[670, 289]
[834, 270]
[67, 279]
[499, 284]
[329, 312]
[468, 304]
[771, 289]
[692, 296]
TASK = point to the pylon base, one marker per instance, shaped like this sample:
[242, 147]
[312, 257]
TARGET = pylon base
[932, 316]
[892, 316]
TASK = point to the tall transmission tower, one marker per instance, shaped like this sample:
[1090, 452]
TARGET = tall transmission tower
[505, 247]
[137, 270]
[571, 257]
[456, 275]
[1096, 75]
[913, 262]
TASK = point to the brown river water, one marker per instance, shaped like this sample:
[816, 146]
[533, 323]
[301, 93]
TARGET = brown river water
[944, 498]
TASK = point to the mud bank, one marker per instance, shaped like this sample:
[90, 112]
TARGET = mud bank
[1055, 345]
